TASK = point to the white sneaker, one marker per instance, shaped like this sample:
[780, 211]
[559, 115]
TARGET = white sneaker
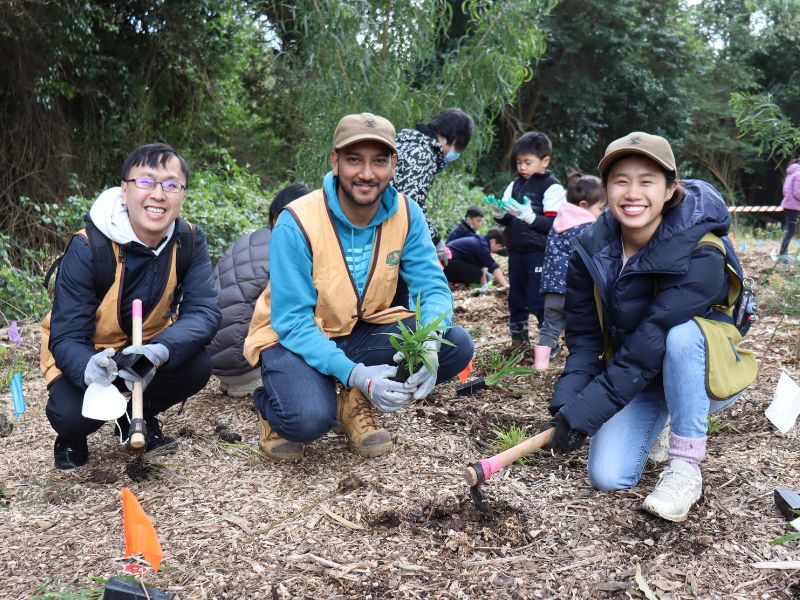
[659, 451]
[678, 488]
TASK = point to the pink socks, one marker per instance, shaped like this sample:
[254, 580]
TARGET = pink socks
[689, 450]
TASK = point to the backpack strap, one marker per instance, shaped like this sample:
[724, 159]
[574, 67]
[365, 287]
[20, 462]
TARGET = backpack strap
[607, 351]
[734, 277]
[105, 263]
[185, 241]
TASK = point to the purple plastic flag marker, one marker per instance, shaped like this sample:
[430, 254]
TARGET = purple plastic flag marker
[17, 395]
[13, 333]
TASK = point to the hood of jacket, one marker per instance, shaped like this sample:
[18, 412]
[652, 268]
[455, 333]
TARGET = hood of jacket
[571, 215]
[110, 216]
[793, 168]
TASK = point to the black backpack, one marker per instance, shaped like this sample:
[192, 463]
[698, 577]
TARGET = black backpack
[105, 263]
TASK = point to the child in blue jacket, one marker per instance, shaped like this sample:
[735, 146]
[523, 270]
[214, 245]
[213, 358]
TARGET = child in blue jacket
[585, 201]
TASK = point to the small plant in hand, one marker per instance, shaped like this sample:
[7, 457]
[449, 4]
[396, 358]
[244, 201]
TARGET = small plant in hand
[411, 343]
[508, 368]
[508, 438]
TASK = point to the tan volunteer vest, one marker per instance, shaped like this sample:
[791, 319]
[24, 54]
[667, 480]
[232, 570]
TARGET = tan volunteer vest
[108, 332]
[338, 306]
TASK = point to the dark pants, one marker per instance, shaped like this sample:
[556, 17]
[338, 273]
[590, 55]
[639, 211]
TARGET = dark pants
[459, 271]
[790, 228]
[299, 402]
[525, 277]
[172, 385]
[554, 320]
[401, 293]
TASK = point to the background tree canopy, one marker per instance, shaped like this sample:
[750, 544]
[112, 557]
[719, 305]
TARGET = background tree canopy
[250, 92]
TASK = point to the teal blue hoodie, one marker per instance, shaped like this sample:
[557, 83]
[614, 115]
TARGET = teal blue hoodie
[294, 296]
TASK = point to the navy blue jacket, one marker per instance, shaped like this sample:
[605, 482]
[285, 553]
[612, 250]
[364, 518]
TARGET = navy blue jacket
[461, 230]
[666, 283]
[520, 236]
[473, 250]
[144, 277]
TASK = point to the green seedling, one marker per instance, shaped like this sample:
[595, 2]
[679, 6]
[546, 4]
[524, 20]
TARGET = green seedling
[508, 438]
[509, 368]
[410, 343]
[491, 361]
[786, 538]
[715, 426]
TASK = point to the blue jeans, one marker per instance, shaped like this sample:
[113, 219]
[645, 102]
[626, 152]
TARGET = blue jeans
[525, 278]
[299, 402]
[618, 451]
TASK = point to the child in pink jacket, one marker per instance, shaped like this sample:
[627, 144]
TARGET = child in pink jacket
[585, 201]
[790, 203]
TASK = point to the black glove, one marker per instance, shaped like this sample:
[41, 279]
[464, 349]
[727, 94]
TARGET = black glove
[565, 438]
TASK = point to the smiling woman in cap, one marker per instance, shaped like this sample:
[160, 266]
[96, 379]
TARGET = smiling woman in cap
[652, 344]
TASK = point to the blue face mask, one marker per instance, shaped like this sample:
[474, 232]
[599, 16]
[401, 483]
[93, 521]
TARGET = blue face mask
[451, 156]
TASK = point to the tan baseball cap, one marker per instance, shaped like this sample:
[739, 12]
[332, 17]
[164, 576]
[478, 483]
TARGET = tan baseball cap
[638, 142]
[364, 126]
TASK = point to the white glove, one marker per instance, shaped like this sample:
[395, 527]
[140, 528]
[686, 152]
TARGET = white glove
[498, 213]
[441, 253]
[523, 212]
[424, 380]
[376, 384]
[157, 354]
[100, 368]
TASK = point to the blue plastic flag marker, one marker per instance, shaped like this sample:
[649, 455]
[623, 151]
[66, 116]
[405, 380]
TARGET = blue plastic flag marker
[760, 243]
[744, 247]
[17, 396]
[798, 241]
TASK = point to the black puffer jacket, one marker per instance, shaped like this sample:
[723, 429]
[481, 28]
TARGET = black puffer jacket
[666, 283]
[521, 236]
[241, 275]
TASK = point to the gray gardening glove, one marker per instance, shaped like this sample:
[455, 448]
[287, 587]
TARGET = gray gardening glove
[423, 381]
[375, 383]
[157, 354]
[100, 368]
[441, 253]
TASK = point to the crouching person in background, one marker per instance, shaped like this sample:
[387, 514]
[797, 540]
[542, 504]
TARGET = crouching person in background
[135, 246]
[241, 276]
[336, 256]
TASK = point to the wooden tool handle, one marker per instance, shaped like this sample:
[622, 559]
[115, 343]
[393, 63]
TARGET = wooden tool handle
[500, 461]
[137, 438]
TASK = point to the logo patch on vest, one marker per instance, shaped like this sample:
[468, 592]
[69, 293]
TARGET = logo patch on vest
[393, 258]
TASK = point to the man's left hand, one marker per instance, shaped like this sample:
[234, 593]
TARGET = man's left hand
[157, 354]
[424, 380]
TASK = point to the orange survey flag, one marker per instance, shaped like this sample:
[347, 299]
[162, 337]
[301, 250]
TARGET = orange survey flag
[140, 535]
[462, 377]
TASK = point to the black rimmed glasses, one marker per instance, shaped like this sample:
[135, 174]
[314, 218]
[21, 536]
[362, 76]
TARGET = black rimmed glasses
[148, 183]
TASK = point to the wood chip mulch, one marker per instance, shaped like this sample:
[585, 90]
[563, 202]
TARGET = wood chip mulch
[234, 524]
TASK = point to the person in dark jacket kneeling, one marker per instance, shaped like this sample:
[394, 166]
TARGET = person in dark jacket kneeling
[647, 309]
[152, 255]
[241, 275]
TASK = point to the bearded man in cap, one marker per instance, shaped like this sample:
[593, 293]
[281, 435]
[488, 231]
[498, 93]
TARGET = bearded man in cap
[336, 255]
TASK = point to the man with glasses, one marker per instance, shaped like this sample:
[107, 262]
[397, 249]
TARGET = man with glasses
[135, 246]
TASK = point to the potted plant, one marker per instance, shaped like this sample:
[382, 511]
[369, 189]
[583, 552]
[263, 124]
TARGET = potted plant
[411, 343]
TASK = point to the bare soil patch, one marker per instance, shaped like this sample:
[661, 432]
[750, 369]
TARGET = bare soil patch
[236, 525]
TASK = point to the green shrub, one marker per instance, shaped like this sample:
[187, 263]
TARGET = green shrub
[22, 293]
[226, 202]
[449, 198]
[780, 293]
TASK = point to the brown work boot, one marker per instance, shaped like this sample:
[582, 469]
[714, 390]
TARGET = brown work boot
[275, 446]
[357, 416]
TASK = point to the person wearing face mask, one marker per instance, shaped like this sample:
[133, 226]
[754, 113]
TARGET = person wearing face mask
[422, 153]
